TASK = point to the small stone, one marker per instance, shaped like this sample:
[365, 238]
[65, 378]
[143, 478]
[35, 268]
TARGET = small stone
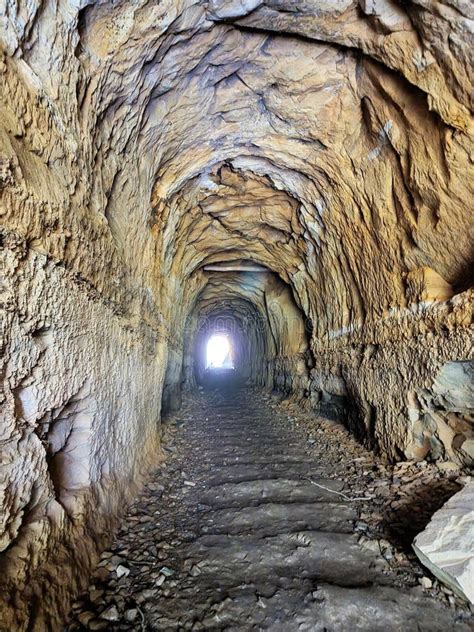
[95, 595]
[131, 615]
[122, 571]
[195, 571]
[361, 526]
[446, 590]
[388, 554]
[161, 579]
[167, 572]
[111, 614]
[98, 625]
[156, 487]
[426, 582]
[85, 618]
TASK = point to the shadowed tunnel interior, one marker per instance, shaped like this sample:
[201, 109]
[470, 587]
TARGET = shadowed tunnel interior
[295, 175]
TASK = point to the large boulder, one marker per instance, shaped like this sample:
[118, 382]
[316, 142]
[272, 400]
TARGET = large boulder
[446, 546]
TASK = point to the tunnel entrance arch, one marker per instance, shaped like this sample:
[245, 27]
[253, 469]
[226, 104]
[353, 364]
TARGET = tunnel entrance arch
[221, 346]
[219, 352]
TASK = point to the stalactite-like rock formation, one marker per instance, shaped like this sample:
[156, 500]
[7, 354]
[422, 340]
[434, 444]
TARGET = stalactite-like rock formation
[329, 143]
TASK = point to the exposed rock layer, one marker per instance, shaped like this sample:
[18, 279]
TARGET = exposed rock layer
[329, 142]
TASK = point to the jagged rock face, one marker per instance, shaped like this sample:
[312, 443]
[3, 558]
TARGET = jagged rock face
[329, 142]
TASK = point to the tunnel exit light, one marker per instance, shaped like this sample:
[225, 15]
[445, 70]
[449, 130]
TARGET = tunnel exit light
[219, 353]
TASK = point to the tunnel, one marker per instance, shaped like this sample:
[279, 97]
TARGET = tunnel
[236, 315]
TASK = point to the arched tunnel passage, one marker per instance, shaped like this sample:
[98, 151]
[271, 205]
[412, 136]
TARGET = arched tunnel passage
[236, 322]
[302, 169]
[219, 352]
[256, 310]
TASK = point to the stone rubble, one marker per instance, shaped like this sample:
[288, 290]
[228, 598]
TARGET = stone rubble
[202, 557]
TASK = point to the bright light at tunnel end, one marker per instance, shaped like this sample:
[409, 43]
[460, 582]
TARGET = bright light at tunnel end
[219, 352]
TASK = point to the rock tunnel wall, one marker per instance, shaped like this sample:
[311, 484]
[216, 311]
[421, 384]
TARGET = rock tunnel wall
[330, 143]
[80, 428]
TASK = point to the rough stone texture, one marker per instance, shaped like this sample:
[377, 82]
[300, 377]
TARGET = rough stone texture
[252, 532]
[79, 431]
[139, 142]
[446, 546]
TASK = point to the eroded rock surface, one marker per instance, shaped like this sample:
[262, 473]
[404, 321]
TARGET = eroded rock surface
[329, 143]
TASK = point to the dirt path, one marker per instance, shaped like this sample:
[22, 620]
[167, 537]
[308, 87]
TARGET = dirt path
[245, 528]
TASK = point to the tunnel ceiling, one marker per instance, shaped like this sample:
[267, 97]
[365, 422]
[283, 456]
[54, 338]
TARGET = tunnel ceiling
[328, 142]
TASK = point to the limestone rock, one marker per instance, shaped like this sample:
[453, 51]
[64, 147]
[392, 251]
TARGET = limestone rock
[147, 149]
[446, 546]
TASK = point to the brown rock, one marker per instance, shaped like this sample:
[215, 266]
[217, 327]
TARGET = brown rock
[301, 178]
[424, 284]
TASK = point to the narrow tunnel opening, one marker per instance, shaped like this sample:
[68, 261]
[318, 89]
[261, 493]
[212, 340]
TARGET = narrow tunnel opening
[219, 352]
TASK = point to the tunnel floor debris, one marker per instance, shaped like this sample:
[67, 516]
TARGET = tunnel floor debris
[264, 518]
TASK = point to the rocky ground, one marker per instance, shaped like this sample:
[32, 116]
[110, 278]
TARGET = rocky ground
[265, 518]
